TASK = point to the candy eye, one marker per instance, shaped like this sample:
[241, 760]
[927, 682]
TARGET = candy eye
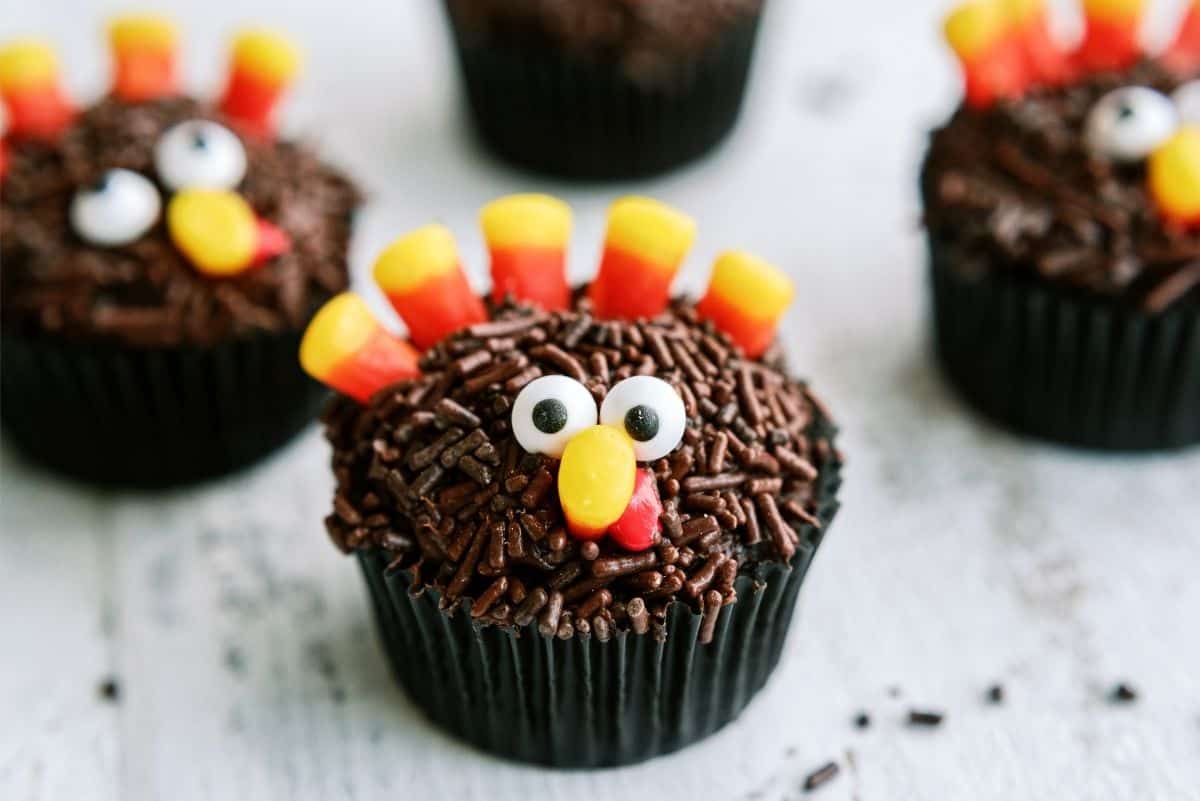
[650, 411]
[1127, 124]
[549, 411]
[200, 154]
[1187, 102]
[115, 210]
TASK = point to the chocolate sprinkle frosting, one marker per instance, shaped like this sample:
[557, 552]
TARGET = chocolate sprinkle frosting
[1016, 188]
[429, 471]
[146, 294]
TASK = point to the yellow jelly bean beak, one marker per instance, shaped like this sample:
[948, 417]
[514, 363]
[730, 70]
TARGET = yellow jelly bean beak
[216, 230]
[596, 480]
[1174, 171]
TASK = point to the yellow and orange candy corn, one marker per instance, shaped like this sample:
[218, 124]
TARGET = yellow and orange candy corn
[644, 246]
[264, 65]
[1183, 56]
[983, 36]
[527, 238]
[1112, 35]
[347, 350]
[33, 97]
[145, 54]
[1174, 175]
[746, 298]
[219, 233]
[423, 279]
[1046, 61]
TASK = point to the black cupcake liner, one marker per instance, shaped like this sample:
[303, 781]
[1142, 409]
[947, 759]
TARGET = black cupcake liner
[556, 112]
[583, 702]
[153, 417]
[1065, 365]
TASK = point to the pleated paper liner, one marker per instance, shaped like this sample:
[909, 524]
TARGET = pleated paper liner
[552, 111]
[583, 702]
[154, 417]
[1067, 366]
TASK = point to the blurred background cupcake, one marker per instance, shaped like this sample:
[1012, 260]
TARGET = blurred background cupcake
[1062, 202]
[604, 89]
[161, 256]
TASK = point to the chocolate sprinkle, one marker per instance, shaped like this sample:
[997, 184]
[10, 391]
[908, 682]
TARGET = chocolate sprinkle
[1123, 694]
[821, 776]
[486, 522]
[927, 718]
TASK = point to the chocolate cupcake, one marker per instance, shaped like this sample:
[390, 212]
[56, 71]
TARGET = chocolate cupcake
[1062, 203]
[583, 517]
[161, 257]
[607, 88]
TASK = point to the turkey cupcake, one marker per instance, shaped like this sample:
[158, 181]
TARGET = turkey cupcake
[1062, 202]
[605, 88]
[160, 257]
[583, 514]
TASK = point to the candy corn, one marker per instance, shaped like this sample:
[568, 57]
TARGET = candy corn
[32, 94]
[984, 38]
[1045, 60]
[423, 279]
[347, 350]
[643, 248]
[746, 297]
[144, 51]
[263, 66]
[1174, 175]
[527, 238]
[219, 233]
[1111, 39]
[1183, 56]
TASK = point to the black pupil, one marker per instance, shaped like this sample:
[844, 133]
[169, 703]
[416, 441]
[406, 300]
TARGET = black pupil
[1125, 111]
[101, 184]
[550, 416]
[198, 141]
[641, 423]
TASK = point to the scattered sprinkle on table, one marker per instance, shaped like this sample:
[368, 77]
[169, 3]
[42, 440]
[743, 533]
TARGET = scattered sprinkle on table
[924, 717]
[995, 694]
[820, 777]
[1123, 694]
[110, 690]
[862, 720]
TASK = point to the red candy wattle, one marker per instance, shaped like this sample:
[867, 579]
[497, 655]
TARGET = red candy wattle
[639, 527]
[272, 241]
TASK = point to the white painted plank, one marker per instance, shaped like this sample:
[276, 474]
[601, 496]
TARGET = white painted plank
[963, 556]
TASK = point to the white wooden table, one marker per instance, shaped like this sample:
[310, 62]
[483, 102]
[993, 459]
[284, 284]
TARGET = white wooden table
[240, 640]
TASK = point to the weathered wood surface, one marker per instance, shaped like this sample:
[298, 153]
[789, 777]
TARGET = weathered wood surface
[963, 557]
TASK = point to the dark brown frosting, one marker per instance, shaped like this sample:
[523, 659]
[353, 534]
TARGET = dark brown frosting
[430, 472]
[645, 37]
[146, 294]
[1016, 188]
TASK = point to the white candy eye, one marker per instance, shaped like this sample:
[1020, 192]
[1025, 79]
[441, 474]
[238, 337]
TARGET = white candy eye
[115, 210]
[200, 154]
[1187, 102]
[650, 411]
[549, 411]
[1126, 125]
